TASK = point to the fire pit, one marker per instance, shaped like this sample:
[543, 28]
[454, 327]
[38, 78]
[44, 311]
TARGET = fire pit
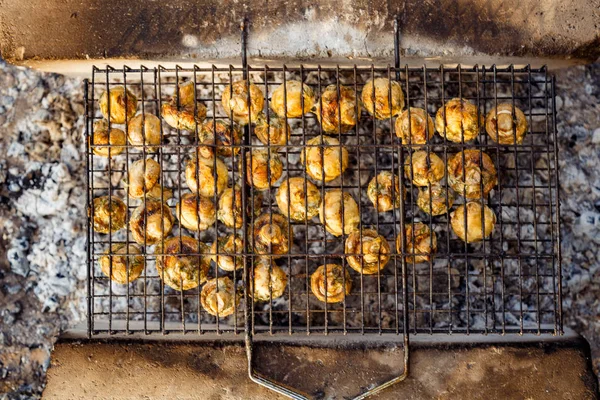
[508, 282]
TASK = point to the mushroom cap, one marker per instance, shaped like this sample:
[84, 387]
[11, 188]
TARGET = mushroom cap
[271, 230]
[144, 129]
[476, 228]
[338, 115]
[292, 100]
[423, 245]
[384, 195]
[230, 211]
[195, 212]
[187, 117]
[500, 124]
[460, 116]
[230, 244]
[235, 102]
[330, 212]
[416, 130]
[206, 175]
[102, 137]
[435, 199]
[143, 176]
[425, 172]
[228, 137]
[259, 165]
[478, 169]
[330, 283]
[126, 268]
[376, 96]
[219, 297]
[373, 250]
[109, 214]
[324, 162]
[123, 104]
[183, 265]
[269, 280]
[150, 222]
[303, 204]
[275, 132]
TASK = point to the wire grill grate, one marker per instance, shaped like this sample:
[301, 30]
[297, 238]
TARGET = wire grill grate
[509, 282]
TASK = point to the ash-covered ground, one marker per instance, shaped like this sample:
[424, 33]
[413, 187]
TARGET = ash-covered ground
[42, 215]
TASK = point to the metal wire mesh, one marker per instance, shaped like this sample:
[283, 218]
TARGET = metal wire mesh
[508, 282]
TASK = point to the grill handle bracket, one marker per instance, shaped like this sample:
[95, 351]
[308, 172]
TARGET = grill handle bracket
[294, 394]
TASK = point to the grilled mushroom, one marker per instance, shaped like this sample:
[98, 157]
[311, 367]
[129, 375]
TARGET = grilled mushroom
[230, 207]
[330, 213]
[373, 250]
[231, 244]
[421, 243]
[102, 137]
[338, 115]
[426, 168]
[271, 236]
[218, 297]
[184, 113]
[435, 199]
[269, 280]
[109, 214]
[500, 124]
[480, 222]
[195, 212]
[261, 164]
[326, 161]
[302, 203]
[291, 102]
[235, 102]
[376, 96]
[144, 130]
[151, 222]
[460, 116]
[126, 265]
[206, 175]
[143, 176]
[228, 137]
[384, 195]
[274, 133]
[159, 193]
[123, 104]
[416, 130]
[475, 177]
[330, 283]
[182, 265]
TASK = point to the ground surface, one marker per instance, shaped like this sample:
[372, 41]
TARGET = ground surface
[42, 215]
[197, 372]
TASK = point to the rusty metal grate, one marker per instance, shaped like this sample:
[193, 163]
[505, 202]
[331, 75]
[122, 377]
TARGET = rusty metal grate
[508, 283]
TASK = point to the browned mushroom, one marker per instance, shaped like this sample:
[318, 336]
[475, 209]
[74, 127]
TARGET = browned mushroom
[109, 214]
[475, 176]
[501, 127]
[376, 95]
[123, 104]
[228, 137]
[420, 243]
[102, 137]
[195, 212]
[262, 165]
[339, 113]
[369, 255]
[384, 194]
[480, 221]
[337, 222]
[270, 234]
[293, 99]
[181, 263]
[126, 263]
[324, 161]
[269, 280]
[235, 102]
[457, 120]
[151, 222]
[219, 297]
[416, 130]
[427, 168]
[330, 283]
[303, 204]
